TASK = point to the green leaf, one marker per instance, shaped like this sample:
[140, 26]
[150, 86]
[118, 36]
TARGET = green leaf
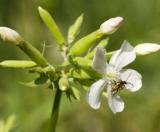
[42, 81]
[75, 29]
[51, 24]
[74, 90]
[29, 84]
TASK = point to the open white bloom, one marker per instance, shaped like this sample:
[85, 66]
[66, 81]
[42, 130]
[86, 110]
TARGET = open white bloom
[146, 48]
[111, 25]
[114, 77]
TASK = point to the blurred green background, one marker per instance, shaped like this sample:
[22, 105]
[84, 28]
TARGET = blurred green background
[32, 106]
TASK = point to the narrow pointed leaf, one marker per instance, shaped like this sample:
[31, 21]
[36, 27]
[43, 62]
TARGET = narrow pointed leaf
[75, 87]
[75, 93]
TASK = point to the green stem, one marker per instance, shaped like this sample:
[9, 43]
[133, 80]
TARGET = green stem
[55, 111]
[33, 53]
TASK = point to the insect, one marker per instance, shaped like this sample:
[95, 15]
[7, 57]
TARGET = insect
[117, 86]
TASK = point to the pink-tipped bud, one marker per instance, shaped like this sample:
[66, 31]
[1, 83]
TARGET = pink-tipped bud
[9, 35]
[146, 48]
[111, 25]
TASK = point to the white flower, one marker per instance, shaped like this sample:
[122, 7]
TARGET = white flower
[9, 35]
[146, 48]
[114, 77]
[111, 25]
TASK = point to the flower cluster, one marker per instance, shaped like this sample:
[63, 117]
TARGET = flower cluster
[77, 70]
[67, 77]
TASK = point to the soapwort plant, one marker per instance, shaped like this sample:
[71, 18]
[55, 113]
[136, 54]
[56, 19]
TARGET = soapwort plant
[84, 64]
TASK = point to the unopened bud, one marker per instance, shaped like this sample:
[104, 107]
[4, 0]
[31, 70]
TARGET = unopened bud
[85, 43]
[9, 35]
[63, 83]
[17, 64]
[111, 25]
[146, 48]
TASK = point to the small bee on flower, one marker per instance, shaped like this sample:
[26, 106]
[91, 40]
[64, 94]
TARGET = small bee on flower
[117, 86]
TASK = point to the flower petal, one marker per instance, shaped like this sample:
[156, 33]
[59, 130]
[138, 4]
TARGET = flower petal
[133, 79]
[95, 92]
[124, 56]
[99, 60]
[115, 103]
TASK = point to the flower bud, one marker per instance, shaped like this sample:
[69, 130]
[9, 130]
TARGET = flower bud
[63, 83]
[18, 64]
[51, 24]
[83, 44]
[146, 48]
[9, 35]
[111, 25]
